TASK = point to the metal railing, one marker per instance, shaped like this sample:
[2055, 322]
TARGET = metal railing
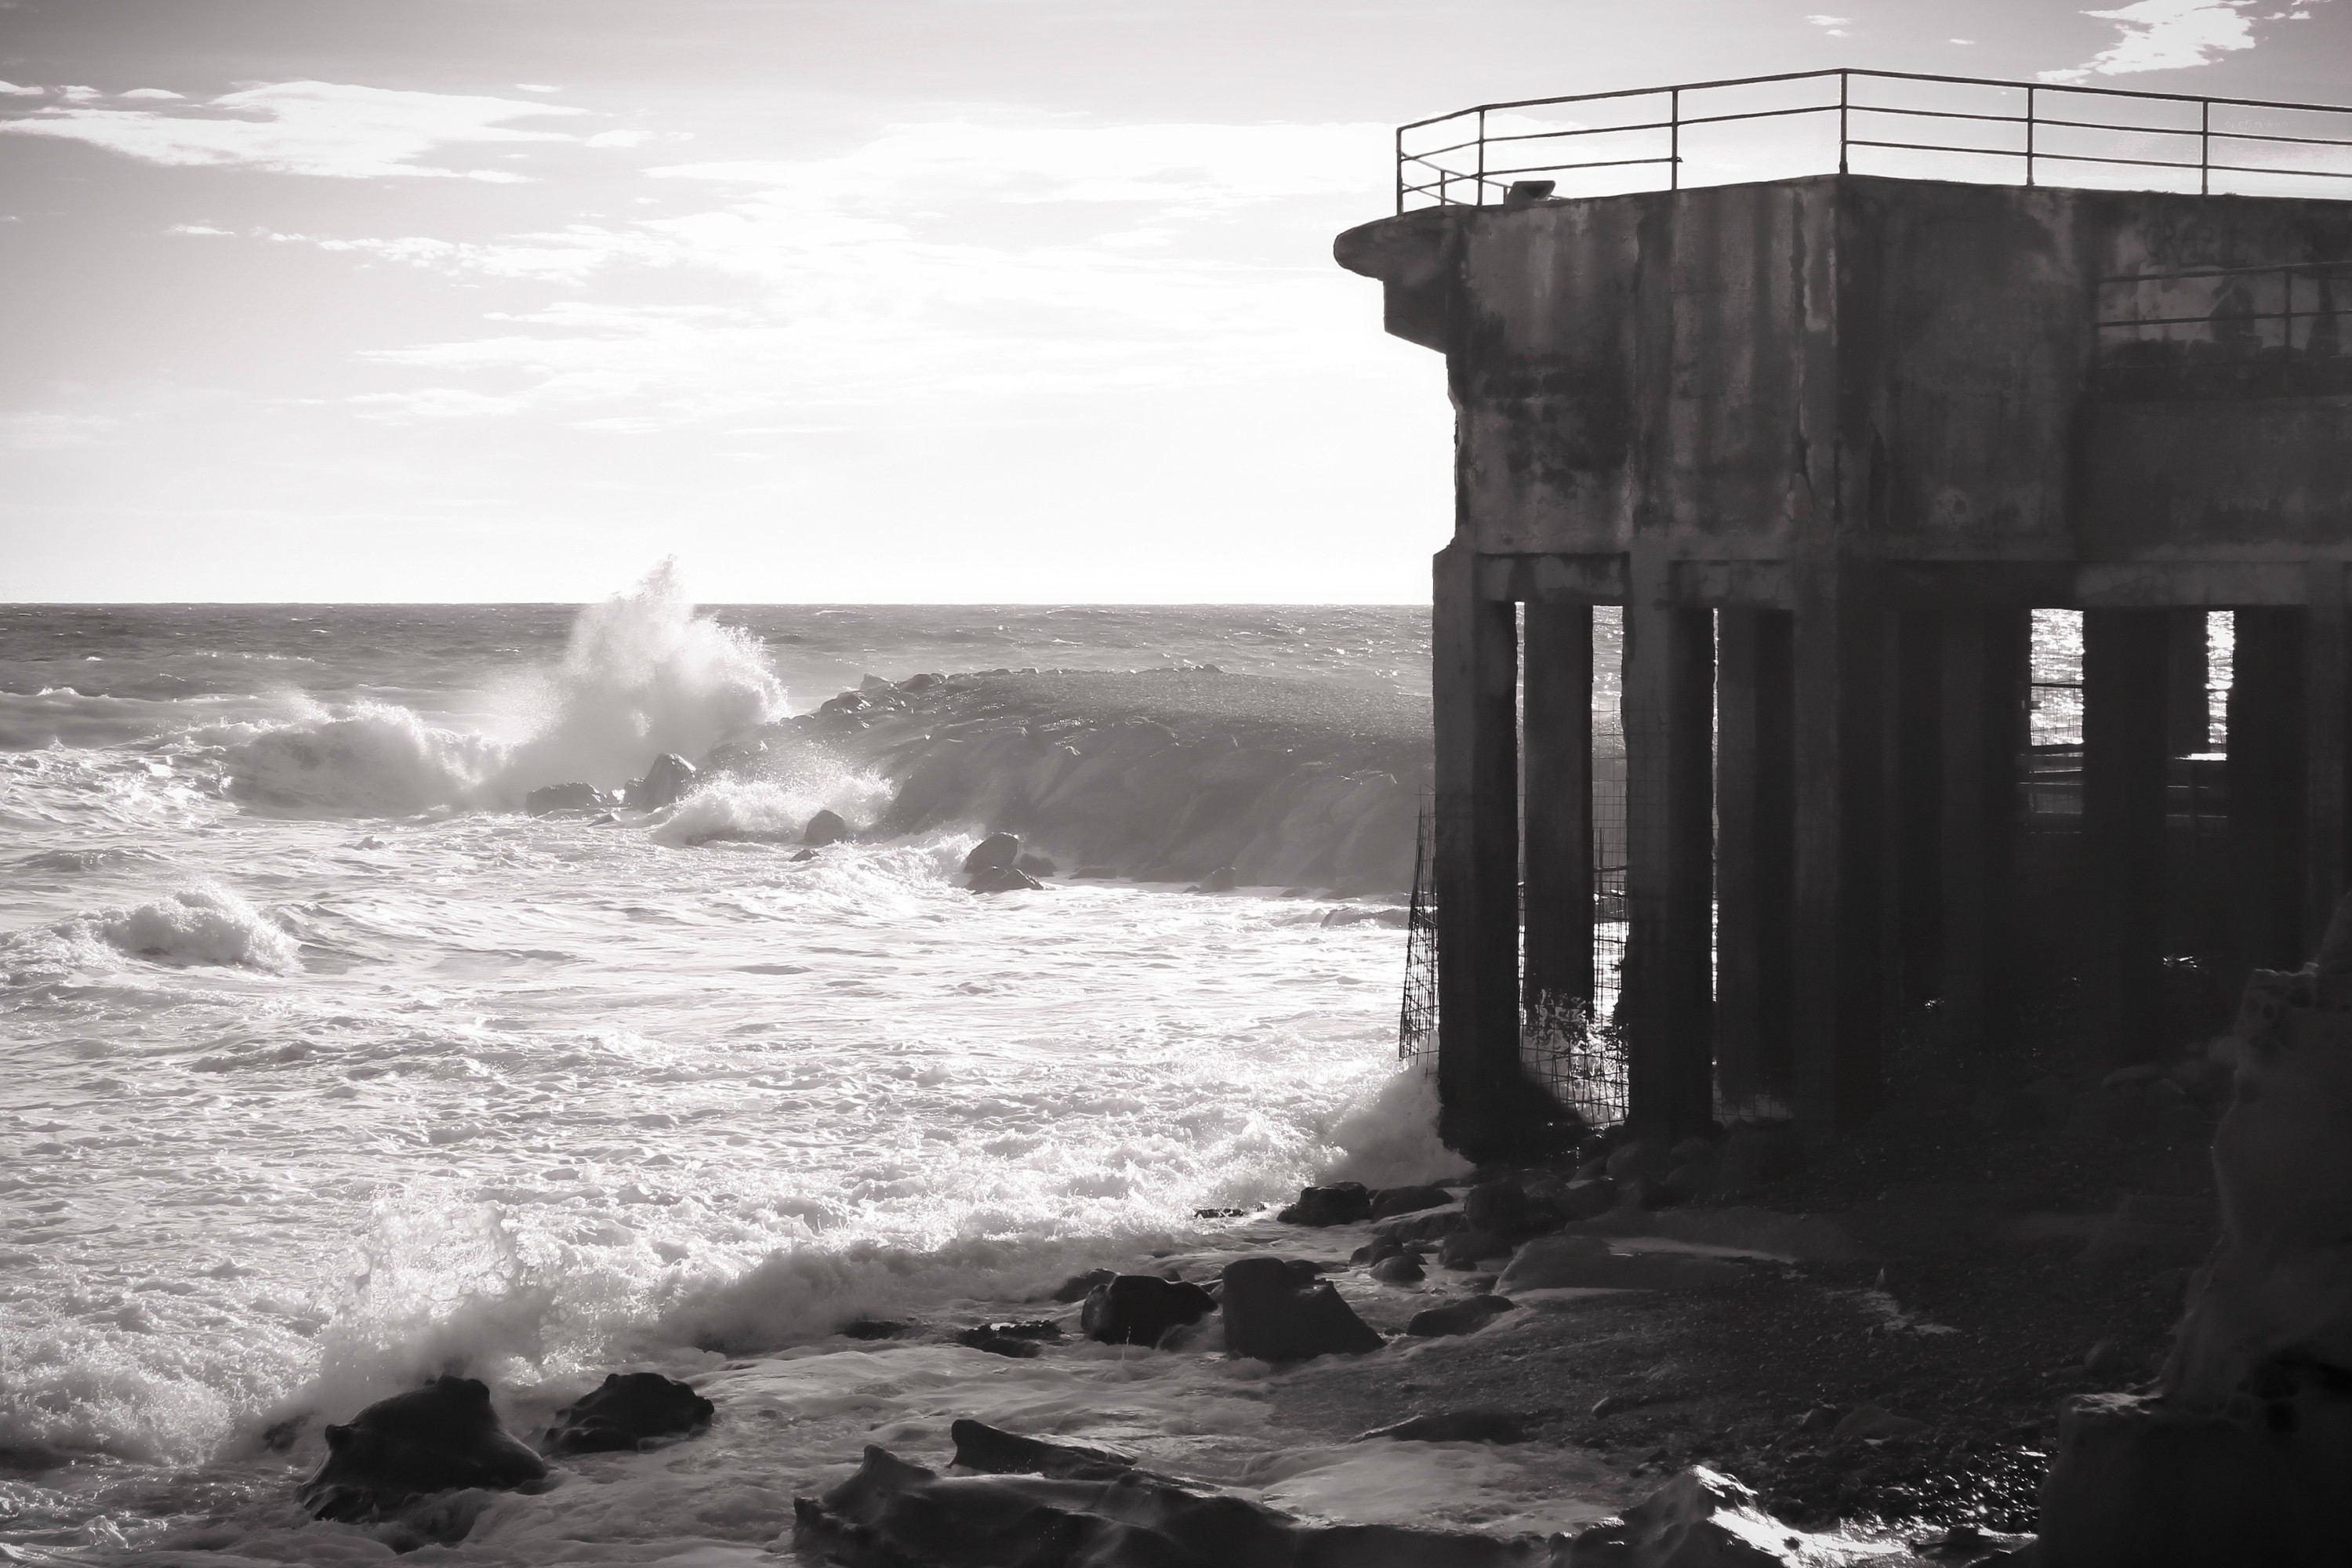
[1970, 127]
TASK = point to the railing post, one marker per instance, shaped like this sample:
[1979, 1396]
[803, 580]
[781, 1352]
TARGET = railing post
[2028, 135]
[1400, 169]
[2205, 147]
[1845, 93]
[1675, 139]
[1479, 192]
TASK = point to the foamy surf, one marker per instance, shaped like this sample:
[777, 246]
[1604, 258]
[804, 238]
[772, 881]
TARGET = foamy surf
[452, 1086]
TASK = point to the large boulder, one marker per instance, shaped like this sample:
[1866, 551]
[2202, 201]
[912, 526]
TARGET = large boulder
[2241, 1455]
[666, 783]
[993, 1452]
[997, 852]
[826, 827]
[629, 1410]
[1278, 1310]
[1342, 1203]
[432, 1439]
[1467, 1316]
[1140, 1309]
[1390, 1202]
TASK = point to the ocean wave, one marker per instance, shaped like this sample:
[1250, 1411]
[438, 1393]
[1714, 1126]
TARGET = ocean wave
[205, 924]
[1157, 775]
[643, 674]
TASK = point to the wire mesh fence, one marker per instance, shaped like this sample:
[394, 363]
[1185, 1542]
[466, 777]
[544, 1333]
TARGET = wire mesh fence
[1577, 1055]
[1417, 1013]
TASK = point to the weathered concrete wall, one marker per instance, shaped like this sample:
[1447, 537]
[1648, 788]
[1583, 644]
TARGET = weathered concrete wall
[1900, 368]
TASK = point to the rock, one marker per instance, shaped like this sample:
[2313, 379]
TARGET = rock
[997, 852]
[1094, 872]
[1019, 1341]
[1585, 1262]
[565, 797]
[801, 855]
[1465, 1315]
[1077, 1286]
[993, 1452]
[1342, 1203]
[1390, 1202]
[1003, 879]
[1399, 1269]
[1639, 1160]
[2104, 1360]
[1691, 1150]
[666, 783]
[873, 1328]
[1421, 1227]
[1140, 1309]
[2136, 1482]
[826, 827]
[1221, 881]
[1684, 1184]
[2141, 1075]
[436, 1438]
[1821, 1418]
[1500, 1208]
[1036, 864]
[1587, 1199]
[1464, 1248]
[1478, 1425]
[1867, 1422]
[894, 1512]
[629, 1410]
[1699, 1520]
[1274, 1312]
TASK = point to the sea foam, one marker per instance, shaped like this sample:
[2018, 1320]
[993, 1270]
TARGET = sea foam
[203, 924]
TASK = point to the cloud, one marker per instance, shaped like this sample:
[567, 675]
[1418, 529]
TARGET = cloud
[328, 129]
[11, 90]
[157, 92]
[2165, 34]
[939, 265]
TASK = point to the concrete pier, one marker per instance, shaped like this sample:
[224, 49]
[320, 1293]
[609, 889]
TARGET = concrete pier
[1828, 441]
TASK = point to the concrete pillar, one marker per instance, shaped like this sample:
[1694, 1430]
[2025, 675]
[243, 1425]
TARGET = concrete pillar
[1558, 740]
[1474, 676]
[1914, 695]
[2326, 699]
[2188, 720]
[1986, 661]
[1669, 686]
[2125, 657]
[2266, 785]
[1839, 997]
[1756, 825]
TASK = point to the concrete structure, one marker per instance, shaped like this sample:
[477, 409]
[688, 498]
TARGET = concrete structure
[1827, 440]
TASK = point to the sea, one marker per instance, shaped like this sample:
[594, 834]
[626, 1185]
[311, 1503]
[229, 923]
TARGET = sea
[323, 1068]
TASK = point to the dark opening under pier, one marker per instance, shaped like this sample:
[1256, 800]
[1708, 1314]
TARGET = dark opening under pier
[1828, 384]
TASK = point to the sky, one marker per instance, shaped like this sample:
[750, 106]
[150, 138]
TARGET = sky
[834, 300]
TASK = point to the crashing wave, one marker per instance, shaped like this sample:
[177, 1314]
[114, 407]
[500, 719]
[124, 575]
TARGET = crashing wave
[206, 924]
[641, 675]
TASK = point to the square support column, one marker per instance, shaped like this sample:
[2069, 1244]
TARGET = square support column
[2126, 743]
[1558, 743]
[1987, 659]
[1474, 676]
[2327, 692]
[1755, 868]
[2267, 786]
[1839, 992]
[1669, 689]
[1914, 788]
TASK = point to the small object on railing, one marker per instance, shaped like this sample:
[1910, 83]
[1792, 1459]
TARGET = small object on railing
[1527, 193]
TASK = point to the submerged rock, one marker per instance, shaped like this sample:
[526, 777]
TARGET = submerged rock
[552, 798]
[1019, 1341]
[1585, 1262]
[1140, 1309]
[1465, 1315]
[1699, 1520]
[993, 1452]
[893, 1512]
[1002, 879]
[1399, 1269]
[826, 827]
[1276, 1310]
[1036, 864]
[666, 783]
[432, 1439]
[629, 1410]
